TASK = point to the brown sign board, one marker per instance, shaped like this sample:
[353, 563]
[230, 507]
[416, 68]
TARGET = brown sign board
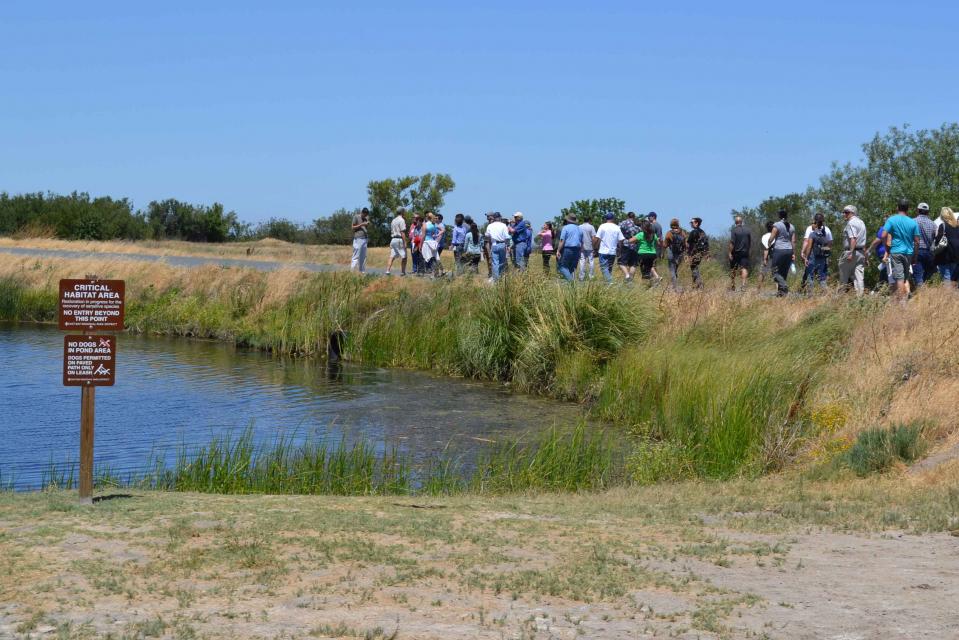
[91, 305]
[89, 361]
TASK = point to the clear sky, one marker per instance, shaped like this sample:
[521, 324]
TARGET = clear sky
[290, 108]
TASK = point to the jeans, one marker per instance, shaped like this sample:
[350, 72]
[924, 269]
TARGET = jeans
[694, 263]
[782, 259]
[947, 271]
[568, 262]
[519, 255]
[674, 272]
[923, 268]
[584, 258]
[816, 270]
[498, 257]
[459, 264]
[359, 255]
[606, 263]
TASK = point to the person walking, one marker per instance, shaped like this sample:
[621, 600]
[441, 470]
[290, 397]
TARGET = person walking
[675, 242]
[815, 253]
[361, 222]
[660, 246]
[923, 267]
[586, 266]
[457, 241]
[783, 241]
[697, 248]
[765, 269]
[609, 236]
[398, 241]
[522, 236]
[902, 245]
[879, 246]
[852, 261]
[497, 236]
[947, 257]
[647, 244]
[740, 244]
[440, 244]
[473, 246]
[546, 237]
[569, 248]
[628, 257]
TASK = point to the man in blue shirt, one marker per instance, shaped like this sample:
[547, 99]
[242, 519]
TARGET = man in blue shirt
[902, 246]
[458, 240]
[522, 236]
[570, 247]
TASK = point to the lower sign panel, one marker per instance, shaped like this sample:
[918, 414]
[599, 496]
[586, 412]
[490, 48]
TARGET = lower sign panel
[89, 361]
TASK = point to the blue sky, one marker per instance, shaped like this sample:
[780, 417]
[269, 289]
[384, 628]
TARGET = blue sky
[290, 108]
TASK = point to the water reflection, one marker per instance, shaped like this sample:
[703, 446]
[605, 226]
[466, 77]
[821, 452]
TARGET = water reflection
[171, 392]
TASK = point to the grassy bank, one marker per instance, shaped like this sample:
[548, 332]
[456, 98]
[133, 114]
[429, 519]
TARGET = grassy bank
[704, 383]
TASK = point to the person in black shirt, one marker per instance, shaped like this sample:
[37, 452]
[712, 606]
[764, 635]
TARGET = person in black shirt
[698, 249]
[740, 243]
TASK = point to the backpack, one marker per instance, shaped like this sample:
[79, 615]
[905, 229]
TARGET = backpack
[677, 243]
[821, 247]
[698, 242]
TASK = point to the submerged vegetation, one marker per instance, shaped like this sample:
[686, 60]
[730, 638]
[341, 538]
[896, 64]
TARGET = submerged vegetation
[698, 384]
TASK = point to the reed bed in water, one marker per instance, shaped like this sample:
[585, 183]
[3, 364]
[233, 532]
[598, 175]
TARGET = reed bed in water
[573, 460]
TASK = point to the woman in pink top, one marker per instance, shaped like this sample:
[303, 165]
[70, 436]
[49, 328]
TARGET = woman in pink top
[546, 240]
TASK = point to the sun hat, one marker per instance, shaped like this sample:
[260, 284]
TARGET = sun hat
[850, 208]
[518, 214]
[570, 218]
[922, 206]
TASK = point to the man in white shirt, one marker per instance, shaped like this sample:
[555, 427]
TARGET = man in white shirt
[497, 236]
[398, 241]
[608, 237]
[815, 252]
[586, 257]
[852, 262]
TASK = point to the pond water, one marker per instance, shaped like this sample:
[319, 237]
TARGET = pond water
[172, 393]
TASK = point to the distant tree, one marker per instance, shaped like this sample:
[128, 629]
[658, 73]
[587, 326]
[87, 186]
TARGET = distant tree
[281, 229]
[73, 217]
[336, 228]
[416, 194]
[592, 210]
[197, 223]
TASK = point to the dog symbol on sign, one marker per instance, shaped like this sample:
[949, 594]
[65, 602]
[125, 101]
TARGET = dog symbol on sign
[104, 343]
[101, 371]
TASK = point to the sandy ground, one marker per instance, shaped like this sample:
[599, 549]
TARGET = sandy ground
[736, 560]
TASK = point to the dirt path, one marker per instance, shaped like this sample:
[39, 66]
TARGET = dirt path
[617, 565]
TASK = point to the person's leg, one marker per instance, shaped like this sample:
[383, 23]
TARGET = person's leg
[566, 264]
[521, 256]
[945, 272]
[694, 270]
[781, 262]
[606, 266]
[674, 273]
[591, 257]
[546, 262]
[355, 259]
[363, 255]
[743, 278]
[859, 275]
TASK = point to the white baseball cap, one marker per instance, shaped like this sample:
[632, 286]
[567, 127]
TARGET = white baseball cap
[922, 206]
[850, 208]
[518, 214]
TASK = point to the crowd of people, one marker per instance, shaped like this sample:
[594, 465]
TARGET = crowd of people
[907, 248]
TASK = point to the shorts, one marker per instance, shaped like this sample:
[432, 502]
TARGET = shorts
[628, 257]
[899, 265]
[398, 248]
[739, 261]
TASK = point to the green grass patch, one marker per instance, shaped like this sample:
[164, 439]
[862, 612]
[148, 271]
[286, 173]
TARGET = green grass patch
[878, 450]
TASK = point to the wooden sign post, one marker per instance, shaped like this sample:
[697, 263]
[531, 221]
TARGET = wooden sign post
[89, 361]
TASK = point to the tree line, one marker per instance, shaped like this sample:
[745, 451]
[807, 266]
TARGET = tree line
[920, 165]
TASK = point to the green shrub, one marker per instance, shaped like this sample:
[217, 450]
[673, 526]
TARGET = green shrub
[877, 450]
[653, 461]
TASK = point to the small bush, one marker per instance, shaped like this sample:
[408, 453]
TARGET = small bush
[877, 450]
[659, 461]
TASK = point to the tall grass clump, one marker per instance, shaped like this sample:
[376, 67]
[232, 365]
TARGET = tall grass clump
[878, 450]
[28, 304]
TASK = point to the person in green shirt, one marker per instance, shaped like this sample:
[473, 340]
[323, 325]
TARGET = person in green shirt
[647, 244]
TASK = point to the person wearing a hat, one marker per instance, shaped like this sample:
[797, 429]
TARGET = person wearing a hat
[924, 267]
[902, 245]
[852, 262]
[609, 236]
[569, 248]
[697, 243]
[522, 236]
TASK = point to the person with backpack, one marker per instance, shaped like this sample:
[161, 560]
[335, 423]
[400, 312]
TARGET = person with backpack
[697, 247]
[628, 258]
[815, 252]
[923, 268]
[675, 242]
[782, 240]
[740, 244]
[946, 247]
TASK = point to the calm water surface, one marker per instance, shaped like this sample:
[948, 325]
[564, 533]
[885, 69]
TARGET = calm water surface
[176, 392]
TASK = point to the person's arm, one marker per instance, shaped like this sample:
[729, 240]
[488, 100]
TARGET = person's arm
[806, 247]
[915, 248]
[559, 246]
[360, 225]
[730, 250]
[792, 241]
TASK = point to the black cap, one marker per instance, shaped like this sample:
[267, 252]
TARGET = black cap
[651, 214]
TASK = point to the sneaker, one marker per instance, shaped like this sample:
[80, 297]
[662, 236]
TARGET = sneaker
[386, 273]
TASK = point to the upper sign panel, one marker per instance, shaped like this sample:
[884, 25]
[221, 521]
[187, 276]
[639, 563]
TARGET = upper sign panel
[93, 305]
